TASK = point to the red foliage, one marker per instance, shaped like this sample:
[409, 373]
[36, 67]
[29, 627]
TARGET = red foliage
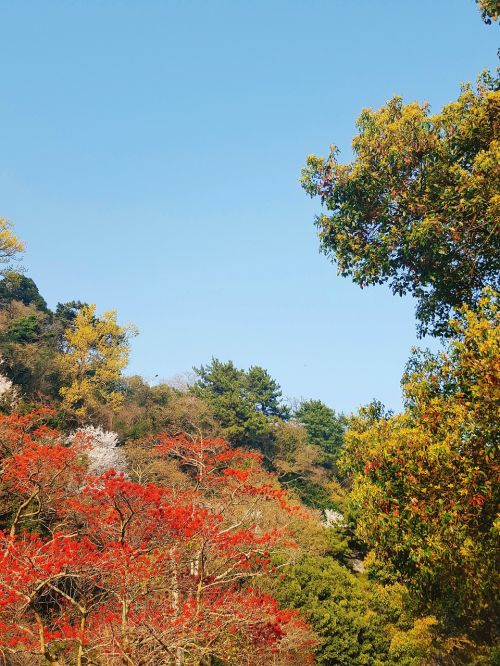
[145, 573]
[217, 467]
[16, 429]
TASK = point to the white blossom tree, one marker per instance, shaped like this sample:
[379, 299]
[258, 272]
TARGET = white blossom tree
[104, 453]
[9, 393]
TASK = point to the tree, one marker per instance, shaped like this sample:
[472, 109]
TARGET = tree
[66, 313]
[37, 472]
[323, 426]
[418, 207]
[30, 338]
[17, 287]
[124, 572]
[244, 403]
[10, 245]
[425, 492]
[29, 349]
[298, 465]
[255, 386]
[104, 452]
[96, 351]
[357, 623]
[265, 393]
[218, 378]
[490, 10]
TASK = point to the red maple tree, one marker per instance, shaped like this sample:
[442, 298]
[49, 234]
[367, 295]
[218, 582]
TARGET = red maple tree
[105, 570]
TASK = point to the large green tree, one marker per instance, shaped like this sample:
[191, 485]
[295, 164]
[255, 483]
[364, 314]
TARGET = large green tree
[357, 623]
[18, 287]
[244, 403]
[324, 427]
[419, 206]
[255, 386]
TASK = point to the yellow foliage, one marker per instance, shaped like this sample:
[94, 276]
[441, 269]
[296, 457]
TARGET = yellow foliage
[10, 245]
[425, 490]
[413, 646]
[97, 350]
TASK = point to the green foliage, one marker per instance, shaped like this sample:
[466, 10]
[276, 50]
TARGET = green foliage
[324, 427]
[32, 337]
[332, 601]
[314, 495]
[300, 465]
[413, 647]
[24, 330]
[419, 206]
[243, 403]
[357, 624]
[264, 393]
[255, 386]
[425, 494]
[28, 347]
[17, 287]
[66, 313]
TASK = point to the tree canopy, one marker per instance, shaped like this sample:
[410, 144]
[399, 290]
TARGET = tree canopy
[96, 351]
[10, 245]
[425, 495]
[323, 426]
[244, 402]
[418, 207]
[357, 624]
[16, 286]
[490, 10]
[209, 524]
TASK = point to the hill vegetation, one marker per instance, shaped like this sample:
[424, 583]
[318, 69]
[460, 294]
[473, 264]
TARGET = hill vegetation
[213, 523]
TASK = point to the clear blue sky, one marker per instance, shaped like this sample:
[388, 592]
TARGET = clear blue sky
[150, 156]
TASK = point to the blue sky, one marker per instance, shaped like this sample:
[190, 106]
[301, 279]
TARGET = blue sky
[150, 156]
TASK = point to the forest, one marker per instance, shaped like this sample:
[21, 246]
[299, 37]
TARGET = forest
[211, 522]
